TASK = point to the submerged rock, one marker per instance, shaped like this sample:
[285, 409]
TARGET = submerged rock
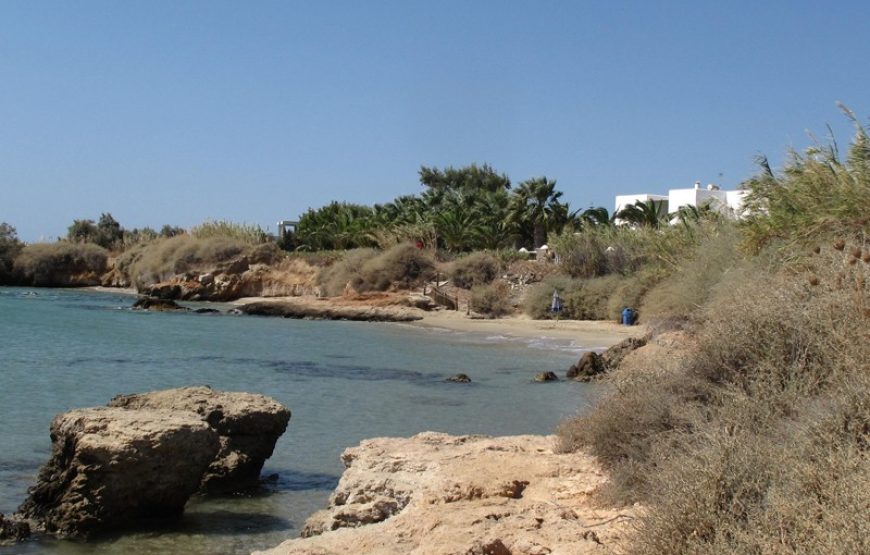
[546, 377]
[157, 304]
[248, 424]
[459, 378]
[112, 467]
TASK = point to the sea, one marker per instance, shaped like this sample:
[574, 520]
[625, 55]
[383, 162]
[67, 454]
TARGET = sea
[62, 349]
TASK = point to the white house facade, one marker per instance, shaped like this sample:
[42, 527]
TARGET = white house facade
[727, 202]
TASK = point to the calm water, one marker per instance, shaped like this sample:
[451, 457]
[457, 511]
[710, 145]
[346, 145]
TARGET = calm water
[343, 381]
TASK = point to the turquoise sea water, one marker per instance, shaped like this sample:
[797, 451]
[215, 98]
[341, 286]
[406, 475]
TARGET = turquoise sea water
[343, 381]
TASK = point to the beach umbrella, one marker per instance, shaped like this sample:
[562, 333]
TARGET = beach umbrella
[556, 305]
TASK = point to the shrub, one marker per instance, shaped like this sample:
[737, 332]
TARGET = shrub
[369, 270]
[61, 264]
[10, 246]
[333, 279]
[221, 229]
[690, 284]
[149, 263]
[759, 442]
[490, 300]
[478, 268]
[582, 299]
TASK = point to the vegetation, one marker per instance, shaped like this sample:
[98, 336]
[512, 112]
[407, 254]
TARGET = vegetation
[367, 270]
[10, 246]
[478, 268]
[490, 300]
[60, 264]
[756, 439]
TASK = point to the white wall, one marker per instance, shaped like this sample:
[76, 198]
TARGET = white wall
[627, 200]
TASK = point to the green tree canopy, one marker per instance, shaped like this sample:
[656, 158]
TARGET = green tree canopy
[473, 177]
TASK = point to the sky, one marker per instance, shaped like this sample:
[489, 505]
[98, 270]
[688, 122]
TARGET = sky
[179, 111]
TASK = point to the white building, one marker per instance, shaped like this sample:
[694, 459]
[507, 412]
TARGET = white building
[726, 202]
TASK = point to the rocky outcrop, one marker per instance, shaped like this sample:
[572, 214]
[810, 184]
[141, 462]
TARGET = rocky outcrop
[459, 378]
[437, 494]
[13, 530]
[144, 455]
[328, 311]
[546, 377]
[613, 356]
[588, 367]
[113, 467]
[248, 426]
[263, 272]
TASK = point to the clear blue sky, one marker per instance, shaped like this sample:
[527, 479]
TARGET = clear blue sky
[175, 112]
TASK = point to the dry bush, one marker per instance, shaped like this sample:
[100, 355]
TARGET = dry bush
[478, 268]
[692, 282]
[334, 279]
[160, 260]
[369, 270]
[760, 442]
[60, 264]
[490, 300]
[582, 299]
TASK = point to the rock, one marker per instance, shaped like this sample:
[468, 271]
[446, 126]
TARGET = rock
[546, 377]
[327, 311]
[207, 311]
[459, 378]
[460, 495]
[158, 304]
[249, 425]
[113, 467]
[13, 530]
[590, 365]
[614, 355]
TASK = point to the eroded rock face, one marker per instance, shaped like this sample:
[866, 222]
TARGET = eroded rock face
[436, 494]
[248, 424]
[112, 467]
[546, 377]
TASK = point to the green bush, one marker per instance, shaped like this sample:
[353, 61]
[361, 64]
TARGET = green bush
[60, 264]
[10, 246]
[490, 300]
[248, 234]
[478, 268]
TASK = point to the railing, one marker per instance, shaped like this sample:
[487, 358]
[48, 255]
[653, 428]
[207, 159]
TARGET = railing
[440, 296]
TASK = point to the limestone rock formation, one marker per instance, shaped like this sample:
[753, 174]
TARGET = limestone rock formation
[459, 378]
[248, 424]
[112, 467]
[546, 377]
[437, 494]
[328, 311]
[158, 304]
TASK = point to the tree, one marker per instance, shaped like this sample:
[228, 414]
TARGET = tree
[10, 246]
[109, 232]
[648, 213]
[82, 231]
[473, 177]
[536, 203]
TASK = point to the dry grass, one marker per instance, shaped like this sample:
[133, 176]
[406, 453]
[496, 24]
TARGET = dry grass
[365, 270]
[160, 260]
[60, 264]
[760, 441]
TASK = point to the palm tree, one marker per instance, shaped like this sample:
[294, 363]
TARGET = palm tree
[536, 202]
[644, 214]
[596, 216]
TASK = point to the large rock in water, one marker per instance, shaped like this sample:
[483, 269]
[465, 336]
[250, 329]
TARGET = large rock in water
[249, 425]
[112, 467]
